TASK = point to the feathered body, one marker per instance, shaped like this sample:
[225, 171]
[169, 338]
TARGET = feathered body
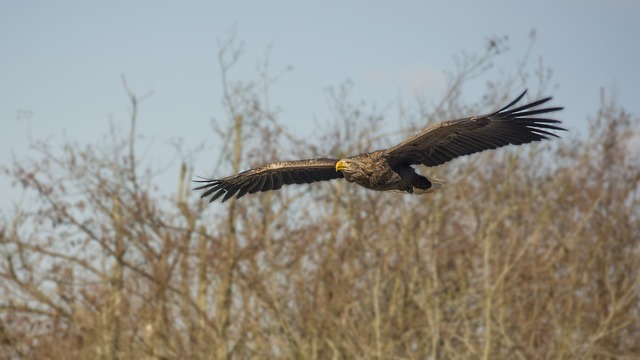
[373, 171]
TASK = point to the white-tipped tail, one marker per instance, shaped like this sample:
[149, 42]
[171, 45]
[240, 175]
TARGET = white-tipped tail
[436, 184]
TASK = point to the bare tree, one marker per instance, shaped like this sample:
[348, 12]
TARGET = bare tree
[528, 253]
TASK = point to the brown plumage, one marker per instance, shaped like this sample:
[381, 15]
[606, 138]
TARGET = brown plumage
[390, 169]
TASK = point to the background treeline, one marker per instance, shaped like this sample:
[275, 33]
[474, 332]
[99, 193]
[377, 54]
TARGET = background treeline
[532, 252]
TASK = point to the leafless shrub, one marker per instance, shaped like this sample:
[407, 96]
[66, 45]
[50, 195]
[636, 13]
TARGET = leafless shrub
[528, 253]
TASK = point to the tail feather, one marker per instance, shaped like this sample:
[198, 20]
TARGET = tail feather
[436, 184]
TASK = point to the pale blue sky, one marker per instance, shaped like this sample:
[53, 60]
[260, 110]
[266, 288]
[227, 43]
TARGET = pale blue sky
[61, 60]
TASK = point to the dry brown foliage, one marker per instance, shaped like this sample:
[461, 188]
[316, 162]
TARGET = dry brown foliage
[530, 252]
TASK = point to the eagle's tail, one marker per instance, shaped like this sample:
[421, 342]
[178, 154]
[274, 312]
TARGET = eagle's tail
[436, 184]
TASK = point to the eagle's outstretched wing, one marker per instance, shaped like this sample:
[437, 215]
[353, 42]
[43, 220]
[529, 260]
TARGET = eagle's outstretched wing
[449, 139]
[270, 177]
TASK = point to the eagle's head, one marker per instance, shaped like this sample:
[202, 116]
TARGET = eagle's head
[351, 169]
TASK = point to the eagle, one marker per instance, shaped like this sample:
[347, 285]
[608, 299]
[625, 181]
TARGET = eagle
[391, 169]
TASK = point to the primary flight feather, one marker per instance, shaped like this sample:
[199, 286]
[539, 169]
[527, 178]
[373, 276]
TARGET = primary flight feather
[390, 169]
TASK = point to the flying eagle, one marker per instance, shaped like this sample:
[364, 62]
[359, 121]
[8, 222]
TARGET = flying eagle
[390, 169]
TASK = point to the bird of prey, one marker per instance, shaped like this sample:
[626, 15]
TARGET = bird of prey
[391, 169]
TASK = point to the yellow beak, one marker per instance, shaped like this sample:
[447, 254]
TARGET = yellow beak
[341, 165]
